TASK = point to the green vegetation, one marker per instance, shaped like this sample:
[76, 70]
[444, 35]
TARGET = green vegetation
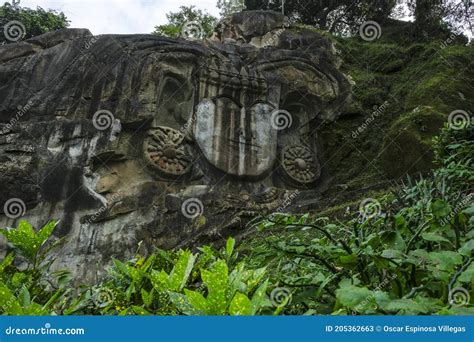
[408, 252]
[188, 22]
[33, 22]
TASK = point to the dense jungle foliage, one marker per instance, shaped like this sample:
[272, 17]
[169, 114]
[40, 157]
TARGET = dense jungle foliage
[408, 252]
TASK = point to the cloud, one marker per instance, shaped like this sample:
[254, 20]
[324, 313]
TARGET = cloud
[119, 16]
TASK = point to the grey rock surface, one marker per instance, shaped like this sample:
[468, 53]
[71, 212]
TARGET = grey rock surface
[112, 134]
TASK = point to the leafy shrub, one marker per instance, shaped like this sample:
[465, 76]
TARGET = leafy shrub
[412, 255]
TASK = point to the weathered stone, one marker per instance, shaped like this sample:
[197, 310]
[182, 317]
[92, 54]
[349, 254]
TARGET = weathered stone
[115, 132]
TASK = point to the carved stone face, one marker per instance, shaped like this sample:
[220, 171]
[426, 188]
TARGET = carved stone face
[183, 114]
[238, 141]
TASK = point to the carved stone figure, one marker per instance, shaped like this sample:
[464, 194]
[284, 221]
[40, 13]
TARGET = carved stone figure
[171, 142]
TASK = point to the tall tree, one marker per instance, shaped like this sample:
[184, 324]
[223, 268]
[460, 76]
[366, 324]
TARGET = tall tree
[187, 22]
[433, 16]
[18, 23]
[336, 16]
[228, 7]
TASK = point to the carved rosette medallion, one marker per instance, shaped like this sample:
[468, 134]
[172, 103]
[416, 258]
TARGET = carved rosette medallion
[299, 163]
[165, 152]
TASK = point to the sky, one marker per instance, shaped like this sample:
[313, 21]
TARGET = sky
[119, 16]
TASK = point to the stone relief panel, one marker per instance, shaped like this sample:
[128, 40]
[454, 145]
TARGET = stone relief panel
[190, 112]
[238, 141]
[166, 152]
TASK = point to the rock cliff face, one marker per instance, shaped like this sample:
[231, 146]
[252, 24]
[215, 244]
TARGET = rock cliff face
[137, 138]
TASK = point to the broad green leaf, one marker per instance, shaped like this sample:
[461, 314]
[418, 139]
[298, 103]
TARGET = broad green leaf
[138, 310]
[10, 304]
[440, 208]
[181, 271]
[147, 297]
[467, 248]
[259, 297]
[122, 268]
[217, 282]
[433, 237]
[468, 275]
[445, 260]
[348, 259]
[407, 306]
[392, 254]
[393, 240]
[159, 280]
[181, 302]
[6, 262]
[197, 300]
[240, 305]
[24, 297]
[469, 210]
[229, 248]
[351, 296]
[45, 233]
[418, 257]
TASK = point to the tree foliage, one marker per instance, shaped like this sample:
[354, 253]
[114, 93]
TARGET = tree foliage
[188, 21]
[337, 16]
[342, 16]
[228, 7]
[33, 21]
[413, 256]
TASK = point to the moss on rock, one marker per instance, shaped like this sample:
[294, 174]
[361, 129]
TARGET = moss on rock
[407, 148]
